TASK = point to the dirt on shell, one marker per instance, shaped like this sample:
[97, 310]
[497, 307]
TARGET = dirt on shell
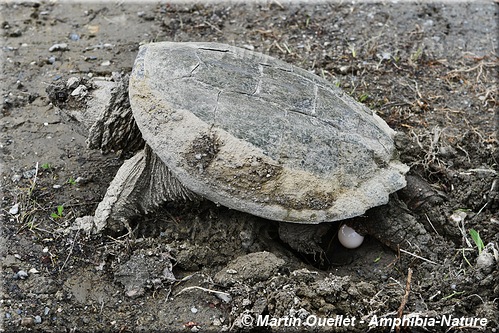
[203, 150]
[427, 68]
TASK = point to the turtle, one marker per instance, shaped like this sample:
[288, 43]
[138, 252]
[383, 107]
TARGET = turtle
[246, 131]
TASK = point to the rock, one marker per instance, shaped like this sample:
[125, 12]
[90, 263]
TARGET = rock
[27, 322]
[485, 262]
[14, 209]
[73, 83]
[81, 91]
[29, 174]
[74, 37]
[251, 268]
[59, 47]
[38, 320]
[21, 275]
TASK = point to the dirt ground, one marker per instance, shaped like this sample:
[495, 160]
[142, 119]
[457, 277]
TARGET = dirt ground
[429, 69]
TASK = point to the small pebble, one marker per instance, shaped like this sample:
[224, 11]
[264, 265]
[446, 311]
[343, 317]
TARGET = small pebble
[81, 91]
[21, 274]
[56, 186]
[27, 322]
[59, 47]
[386, 55]
[7, 315]
[38, 320]
[29, 174]
[81, 180]
[224, 297]
[16, 178]
[106, 63]
[33, 271]
[195, 329]
[458, 216]
[14, 209]
[194, 309]
[73, 83]
[46, 311]
[485, 262]
[75, 37]
[344, 69]
[52, 60]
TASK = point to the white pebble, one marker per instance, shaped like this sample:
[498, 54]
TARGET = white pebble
[14, 209]
[73, 82]
[22, 274]
[81, 91]
[59, 47]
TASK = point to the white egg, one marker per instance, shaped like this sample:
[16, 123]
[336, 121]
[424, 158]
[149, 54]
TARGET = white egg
[349, 238]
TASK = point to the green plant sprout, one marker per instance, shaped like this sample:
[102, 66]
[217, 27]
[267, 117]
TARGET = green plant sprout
[71, 181]
[417, 55]
[352, 50]
[58, 215]
[475, 235]
[46, 166]
[363, 98]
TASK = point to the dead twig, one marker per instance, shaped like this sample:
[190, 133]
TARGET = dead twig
[216, 292]
[33, 184]
[400, 311]
[70, 251]
[419, 257]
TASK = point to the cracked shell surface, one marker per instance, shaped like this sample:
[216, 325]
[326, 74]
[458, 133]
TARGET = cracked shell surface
[256, 134]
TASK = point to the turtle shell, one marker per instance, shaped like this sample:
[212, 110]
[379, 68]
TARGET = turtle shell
[256, 134]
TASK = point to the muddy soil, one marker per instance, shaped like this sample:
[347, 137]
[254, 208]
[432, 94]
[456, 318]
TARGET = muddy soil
[428, 69]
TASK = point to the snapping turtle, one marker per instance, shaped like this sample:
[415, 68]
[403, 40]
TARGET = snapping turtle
[246, 131]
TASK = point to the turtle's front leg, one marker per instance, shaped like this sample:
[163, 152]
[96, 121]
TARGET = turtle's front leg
[142, 183]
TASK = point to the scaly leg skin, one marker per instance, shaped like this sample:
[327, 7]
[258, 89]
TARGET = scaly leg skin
[141, 185]
[304, 238]
[394, 225]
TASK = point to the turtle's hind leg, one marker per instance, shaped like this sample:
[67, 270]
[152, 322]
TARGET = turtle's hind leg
[142, 183]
